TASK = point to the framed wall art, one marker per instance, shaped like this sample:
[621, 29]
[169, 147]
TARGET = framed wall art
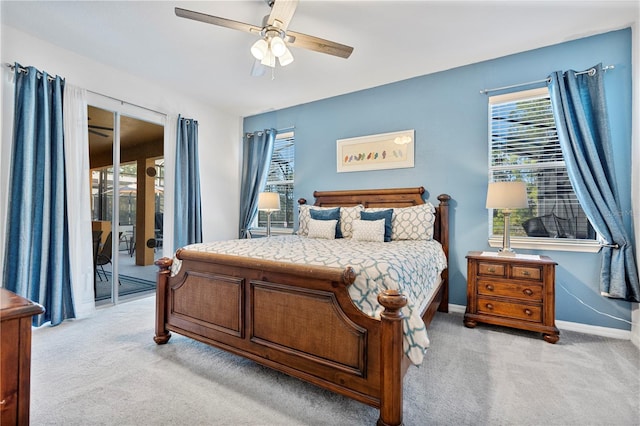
[393, 150]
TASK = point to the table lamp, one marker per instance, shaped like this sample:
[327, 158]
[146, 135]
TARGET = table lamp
[269, 202]
[507, 196]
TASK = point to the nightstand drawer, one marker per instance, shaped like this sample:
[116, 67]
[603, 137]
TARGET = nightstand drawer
[529, 292]
[492, 269]
[526, 272]
[508, 309]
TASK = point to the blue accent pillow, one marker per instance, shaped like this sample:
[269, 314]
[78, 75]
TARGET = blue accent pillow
[328, 214]
[387, 215]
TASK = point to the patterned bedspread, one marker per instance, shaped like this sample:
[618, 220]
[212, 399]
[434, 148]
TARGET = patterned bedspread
[411, 267]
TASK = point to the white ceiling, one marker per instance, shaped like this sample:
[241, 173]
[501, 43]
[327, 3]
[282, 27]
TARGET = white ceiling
[392, 40]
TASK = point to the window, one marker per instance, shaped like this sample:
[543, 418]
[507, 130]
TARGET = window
[523, 145]
[280, 180]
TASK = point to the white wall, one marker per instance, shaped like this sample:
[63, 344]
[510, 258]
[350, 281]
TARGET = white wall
[219, 132]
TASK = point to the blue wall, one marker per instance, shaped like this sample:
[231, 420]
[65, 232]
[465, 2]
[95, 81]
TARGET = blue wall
[450, 121]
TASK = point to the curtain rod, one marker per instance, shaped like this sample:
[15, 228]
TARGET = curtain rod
[23, 70]
[50, 78]
[128, 103]
[590, 71]
[284, 129]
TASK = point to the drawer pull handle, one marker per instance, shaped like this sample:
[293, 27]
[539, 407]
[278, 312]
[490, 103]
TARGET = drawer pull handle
[489, 306]
[4, 401]
[528, 292]
[528, 312]
[526, 273]
[492, 270]
[489, 287]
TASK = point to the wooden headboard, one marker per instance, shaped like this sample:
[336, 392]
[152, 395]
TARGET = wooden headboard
[395, 197]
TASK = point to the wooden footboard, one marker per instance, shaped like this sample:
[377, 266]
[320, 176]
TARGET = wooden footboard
[298, 319]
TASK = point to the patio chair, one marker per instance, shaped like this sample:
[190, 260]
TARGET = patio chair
[97, 236]
[104, 257]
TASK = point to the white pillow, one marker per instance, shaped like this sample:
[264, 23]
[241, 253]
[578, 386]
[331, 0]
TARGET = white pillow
[368, 230]
[325, 229]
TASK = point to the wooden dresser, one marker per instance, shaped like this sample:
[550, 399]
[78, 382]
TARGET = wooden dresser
[512, 291]
[15, 356]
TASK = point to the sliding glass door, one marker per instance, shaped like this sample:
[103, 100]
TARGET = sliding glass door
[127, 202]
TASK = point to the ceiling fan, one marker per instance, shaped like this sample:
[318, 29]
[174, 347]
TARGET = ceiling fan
[275, 38]
[96, 132]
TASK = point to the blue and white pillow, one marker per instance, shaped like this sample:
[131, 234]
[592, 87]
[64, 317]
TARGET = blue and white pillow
[387, 215]
[414, 223]
[328, 214]
[411, 223]
[347, 216]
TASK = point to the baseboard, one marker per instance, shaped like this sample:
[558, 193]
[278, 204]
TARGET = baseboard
[457, 309]
[635, 324]
[614, 333]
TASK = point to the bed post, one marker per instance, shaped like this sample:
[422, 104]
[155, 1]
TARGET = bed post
[391, 356]
[443, 211]
[162, 335]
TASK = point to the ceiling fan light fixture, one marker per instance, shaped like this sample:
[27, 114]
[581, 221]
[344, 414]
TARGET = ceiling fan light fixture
[260, 49]
[274, 40]
[286, 58]
[277, 46]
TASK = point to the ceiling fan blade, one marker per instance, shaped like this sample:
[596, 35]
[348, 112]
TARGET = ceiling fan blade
[319, 45]
[93, 126]
[215, 20]
[282, 11]
[257, 70]
[95, 132]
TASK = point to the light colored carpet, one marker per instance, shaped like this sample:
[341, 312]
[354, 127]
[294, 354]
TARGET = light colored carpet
[106, 370]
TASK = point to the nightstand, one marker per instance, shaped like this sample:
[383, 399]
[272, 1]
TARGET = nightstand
[512, 291]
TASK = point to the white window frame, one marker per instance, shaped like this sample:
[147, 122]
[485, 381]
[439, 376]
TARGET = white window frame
[537, 243]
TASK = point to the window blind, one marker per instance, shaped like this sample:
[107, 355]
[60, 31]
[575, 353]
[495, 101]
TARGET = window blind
[281, 180]
[281, 169]
[524, 145]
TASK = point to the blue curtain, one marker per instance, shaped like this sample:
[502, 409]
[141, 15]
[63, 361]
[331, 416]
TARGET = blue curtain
[256, 157]
[579, 109]
[37, 252]
[188, 210]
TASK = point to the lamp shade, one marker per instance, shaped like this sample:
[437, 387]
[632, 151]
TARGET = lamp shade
[269, 201]
[507, 195]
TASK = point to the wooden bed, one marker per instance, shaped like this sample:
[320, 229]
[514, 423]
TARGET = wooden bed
[255, 308]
